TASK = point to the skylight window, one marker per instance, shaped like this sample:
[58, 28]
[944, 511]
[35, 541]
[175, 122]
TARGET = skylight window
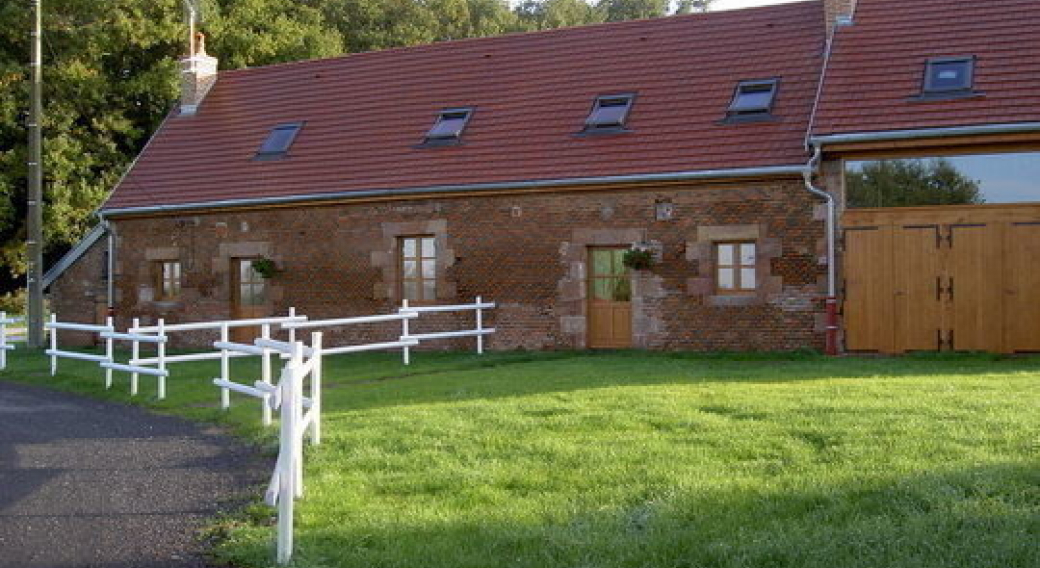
[449, 126]
[949, 74]
[609, 113]
[753, 99]
[278, 141]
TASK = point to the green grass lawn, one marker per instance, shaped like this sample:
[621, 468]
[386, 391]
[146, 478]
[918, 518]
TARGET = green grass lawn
[645, 460]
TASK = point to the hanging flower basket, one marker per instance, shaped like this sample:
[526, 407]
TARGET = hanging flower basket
[265, 267]
[639, 257]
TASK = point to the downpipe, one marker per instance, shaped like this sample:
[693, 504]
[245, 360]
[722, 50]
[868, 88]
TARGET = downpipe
[831, 302]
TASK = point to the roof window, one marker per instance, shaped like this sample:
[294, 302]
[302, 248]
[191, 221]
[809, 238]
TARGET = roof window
[948, 74]
[278, 141]
[609, 113]
[753, 99]
[449, 126]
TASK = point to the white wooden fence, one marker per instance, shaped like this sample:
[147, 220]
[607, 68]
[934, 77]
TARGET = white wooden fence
[298, 415]
[265, 346]
[403, 342]
[5, 337]
[53, 326]
[479, 331]
[224, 327]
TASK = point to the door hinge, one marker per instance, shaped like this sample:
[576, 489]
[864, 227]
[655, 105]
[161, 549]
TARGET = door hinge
[945, 343]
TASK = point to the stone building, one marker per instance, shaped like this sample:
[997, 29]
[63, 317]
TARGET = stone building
[522, 168]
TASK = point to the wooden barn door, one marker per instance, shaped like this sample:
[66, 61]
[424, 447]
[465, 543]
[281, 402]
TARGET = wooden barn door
[963, 278]
[248, 298]
[1022, 286]
[610, 295]
[868, 269]
[975, 287]
[917, 278]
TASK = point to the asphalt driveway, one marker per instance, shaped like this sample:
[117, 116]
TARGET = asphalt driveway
[85, 483]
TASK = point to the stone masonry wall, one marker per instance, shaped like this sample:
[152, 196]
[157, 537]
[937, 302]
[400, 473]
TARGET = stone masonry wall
[527, 252]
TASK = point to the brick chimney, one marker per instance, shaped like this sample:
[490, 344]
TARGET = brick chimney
[837, 13]
[198, 75]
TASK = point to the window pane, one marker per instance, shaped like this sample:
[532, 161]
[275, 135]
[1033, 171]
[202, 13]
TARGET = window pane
[725, 255]
[618, 267]
[245, 269]
[747, 254]
[245, 294]
[429, 269]
[949, 75]
[747, 278]
[411, 290]
[408, 247]
[749, 99]
[429, 290]
[726, 278]
[279, 139]
[613, 115]
[622, 290]
[602, 288]
[944, 180]
[428, 248]
[410, 269]
[601, 262]
[177, 270]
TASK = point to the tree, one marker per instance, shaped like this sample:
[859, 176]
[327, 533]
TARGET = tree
[110, 77]
[902, 183]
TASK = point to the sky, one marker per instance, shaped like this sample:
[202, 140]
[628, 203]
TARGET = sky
[734, 4]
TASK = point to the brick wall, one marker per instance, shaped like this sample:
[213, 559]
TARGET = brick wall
[81, 295]
[524, 251]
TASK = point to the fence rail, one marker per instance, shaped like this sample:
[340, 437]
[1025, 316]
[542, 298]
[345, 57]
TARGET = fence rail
[5, 337]
[53, 326]
[479, 331]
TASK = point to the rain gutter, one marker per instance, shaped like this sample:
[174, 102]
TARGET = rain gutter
[480, 187]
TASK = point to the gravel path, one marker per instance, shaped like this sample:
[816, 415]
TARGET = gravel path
[85, 483]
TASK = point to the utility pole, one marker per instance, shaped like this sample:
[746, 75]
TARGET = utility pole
[34, 237]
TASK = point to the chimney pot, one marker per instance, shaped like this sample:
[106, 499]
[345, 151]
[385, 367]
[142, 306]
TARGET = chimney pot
[838, 13]
[198, 75]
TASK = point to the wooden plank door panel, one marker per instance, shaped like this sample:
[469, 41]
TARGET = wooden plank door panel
[1022, 287]
[975, 268]
[917, 304]
[868, 290]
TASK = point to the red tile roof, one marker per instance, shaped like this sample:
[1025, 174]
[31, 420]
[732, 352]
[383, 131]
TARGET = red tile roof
[877, 65]
[366, 113]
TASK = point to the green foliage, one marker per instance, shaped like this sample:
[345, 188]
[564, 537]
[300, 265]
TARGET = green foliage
[111, 76]
[638, 258]
[903, 183]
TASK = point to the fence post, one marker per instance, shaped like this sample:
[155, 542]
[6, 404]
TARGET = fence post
[406, 352]
[480, 328]
[265, 372]
[109, 352]
[135, 354]
[3, 340]
[316, 388]
[292, 331]
[161, 348]
[54, 345]
[285, 476]
[225, 368]
[296, 407]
